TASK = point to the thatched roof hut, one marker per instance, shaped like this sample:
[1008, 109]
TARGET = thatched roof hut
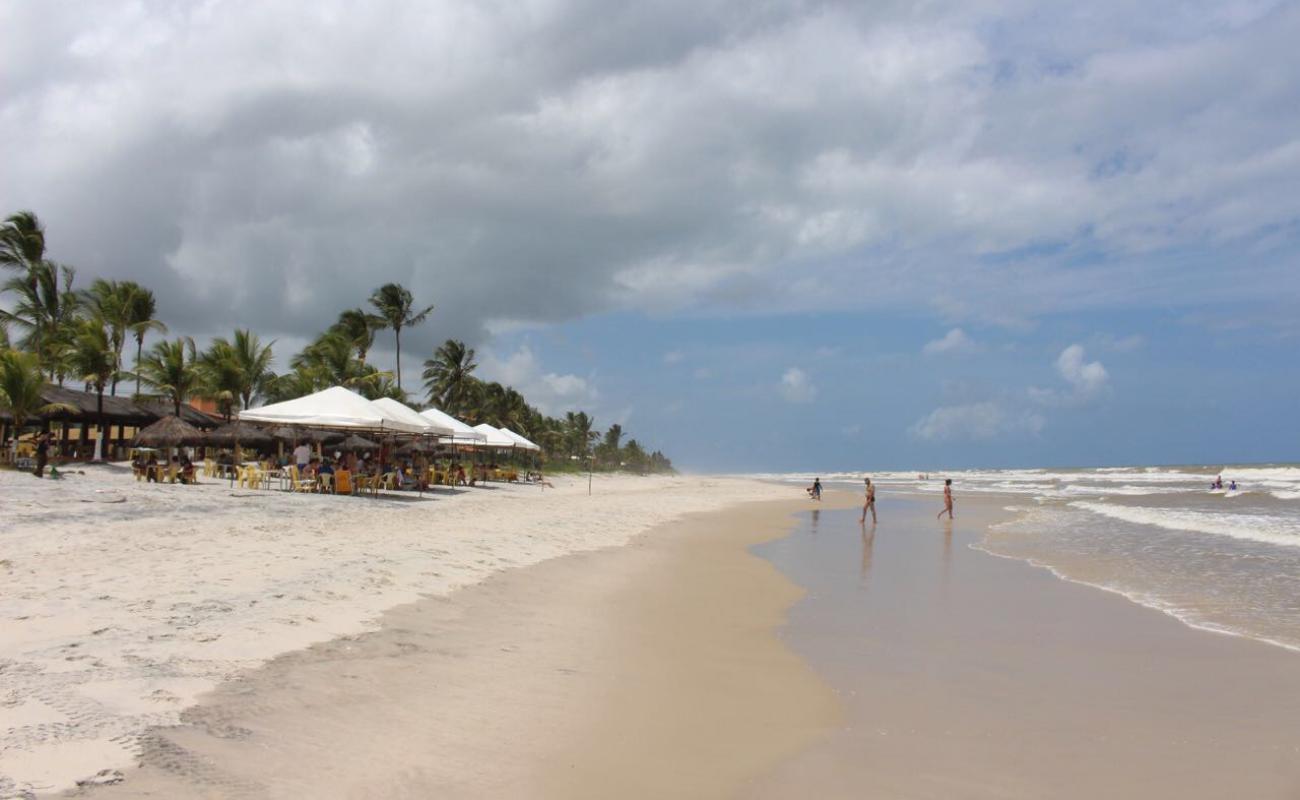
[84, 405]
[161, 408]
[246, 434]
[170, 431]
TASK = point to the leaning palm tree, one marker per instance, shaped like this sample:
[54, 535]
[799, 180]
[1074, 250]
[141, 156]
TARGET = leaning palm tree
[358, 328]
[449, 375]
[141, 319]
[397, 308]
[170, 370]
[91, 360]
[21, 387]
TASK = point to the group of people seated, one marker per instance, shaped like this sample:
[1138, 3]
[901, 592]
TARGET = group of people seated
[178, 468]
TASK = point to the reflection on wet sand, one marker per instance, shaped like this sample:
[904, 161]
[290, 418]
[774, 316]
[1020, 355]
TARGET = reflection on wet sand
[868, 544]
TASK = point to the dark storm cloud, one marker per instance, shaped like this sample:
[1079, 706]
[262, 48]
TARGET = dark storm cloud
[269, 164]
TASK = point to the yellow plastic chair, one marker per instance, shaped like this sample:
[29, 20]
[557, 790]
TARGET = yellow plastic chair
[297, 484]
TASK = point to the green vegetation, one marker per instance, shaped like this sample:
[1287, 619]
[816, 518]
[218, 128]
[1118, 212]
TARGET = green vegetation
[51, 331]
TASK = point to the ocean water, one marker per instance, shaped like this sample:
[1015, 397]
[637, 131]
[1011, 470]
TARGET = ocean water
[1218, 560]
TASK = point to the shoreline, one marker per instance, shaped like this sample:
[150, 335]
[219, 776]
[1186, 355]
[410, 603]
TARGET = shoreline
[582, 676]
[967, 675]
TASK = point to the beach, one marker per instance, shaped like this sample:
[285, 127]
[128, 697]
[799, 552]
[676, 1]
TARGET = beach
[124, 602]
[683, 637]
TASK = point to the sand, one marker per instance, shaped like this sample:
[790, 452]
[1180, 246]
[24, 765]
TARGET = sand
[124, 602]
[644, 671]
[909, 665]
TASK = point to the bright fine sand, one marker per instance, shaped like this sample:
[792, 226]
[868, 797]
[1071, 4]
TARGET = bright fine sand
[123, 602]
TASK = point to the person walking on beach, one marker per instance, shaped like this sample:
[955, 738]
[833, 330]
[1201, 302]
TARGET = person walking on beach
[815, 491]
[947, 499]
[870, 504]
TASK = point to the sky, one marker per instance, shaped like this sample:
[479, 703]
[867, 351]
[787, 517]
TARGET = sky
[762, 236]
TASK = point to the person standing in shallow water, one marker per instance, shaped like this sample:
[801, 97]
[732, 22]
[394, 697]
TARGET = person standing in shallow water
[870, 504]
[947, 499]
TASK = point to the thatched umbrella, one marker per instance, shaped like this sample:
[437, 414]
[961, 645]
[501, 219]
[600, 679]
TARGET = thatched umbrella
[292, 435]
[417, 446]
[242, 434]
[288, 434]
[170, 431]
[355, 442]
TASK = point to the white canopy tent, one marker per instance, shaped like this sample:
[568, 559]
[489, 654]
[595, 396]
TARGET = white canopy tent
[494, 437]
[519, 440]
[335, 407]
[408, 414]
[460, 432]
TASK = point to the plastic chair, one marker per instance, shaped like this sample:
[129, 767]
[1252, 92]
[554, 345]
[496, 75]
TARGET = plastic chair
[342, 482]
[297, 484]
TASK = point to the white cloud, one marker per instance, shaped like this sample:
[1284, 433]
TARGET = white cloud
[954, 341]
[797, 387]
[698, 156]
[1088, 378]
[550, 392]
[674, 357]
[976, 422]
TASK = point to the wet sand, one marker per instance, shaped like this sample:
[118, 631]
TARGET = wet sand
[965, 675]
[650, 670]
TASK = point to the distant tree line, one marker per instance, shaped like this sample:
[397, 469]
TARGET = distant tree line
[52, 331]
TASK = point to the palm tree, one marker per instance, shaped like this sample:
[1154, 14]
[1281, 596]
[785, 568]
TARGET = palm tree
[111, 303]
[609, 449]
[170, 369]
[238, 370]
[578, 426]
[358, 328]
[44, 312]
[21, 386]
[141, 320]
[449, 376]
[329, 361]
[22, 244]
[91, 360]
[397, 308]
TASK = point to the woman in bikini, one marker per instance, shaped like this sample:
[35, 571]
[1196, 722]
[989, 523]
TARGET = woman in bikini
[947, 499]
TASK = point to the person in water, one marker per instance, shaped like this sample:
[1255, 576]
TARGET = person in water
[1232, 486]
[870, 503]
[947, 499]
